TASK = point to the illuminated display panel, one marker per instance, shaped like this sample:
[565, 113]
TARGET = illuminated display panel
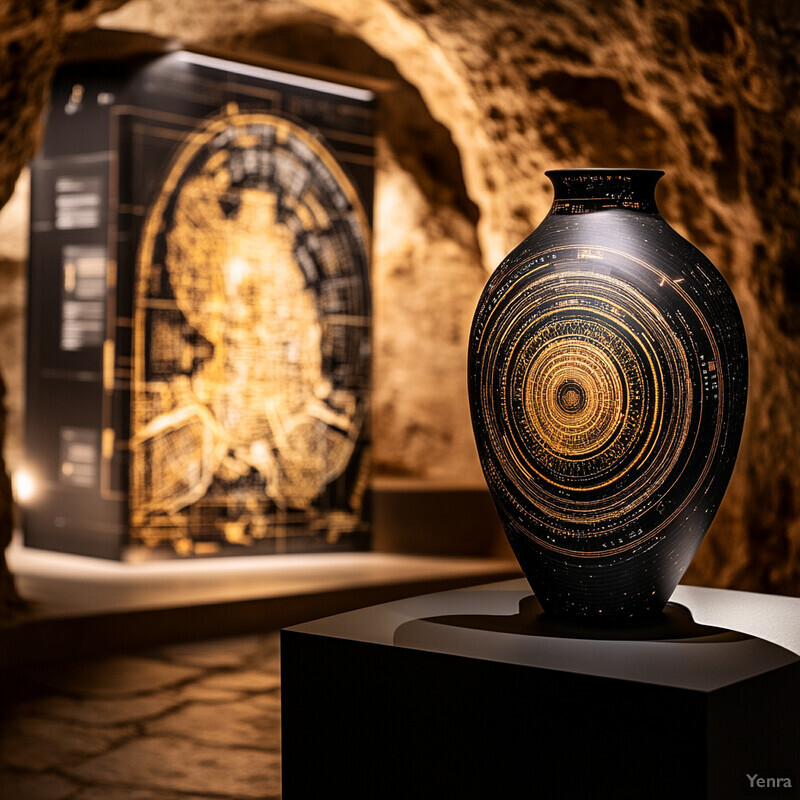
[251, 348]
[199, 311]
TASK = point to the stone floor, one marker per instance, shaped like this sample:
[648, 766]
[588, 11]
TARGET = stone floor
[185, 722]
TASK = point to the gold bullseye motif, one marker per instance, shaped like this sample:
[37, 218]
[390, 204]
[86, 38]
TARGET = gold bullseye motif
[597, 391]
[607, 395]
[571, 398]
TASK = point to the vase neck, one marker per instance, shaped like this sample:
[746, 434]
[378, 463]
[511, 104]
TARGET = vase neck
[582, 191]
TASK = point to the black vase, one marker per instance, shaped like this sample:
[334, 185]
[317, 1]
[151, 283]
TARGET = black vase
[608, 386]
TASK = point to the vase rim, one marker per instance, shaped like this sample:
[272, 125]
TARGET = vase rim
[588, 189]
[604, 171]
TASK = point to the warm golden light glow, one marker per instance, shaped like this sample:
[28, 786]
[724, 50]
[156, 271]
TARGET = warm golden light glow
[24, 486]
[247, 329]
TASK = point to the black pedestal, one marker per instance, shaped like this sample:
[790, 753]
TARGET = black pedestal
[475, 694]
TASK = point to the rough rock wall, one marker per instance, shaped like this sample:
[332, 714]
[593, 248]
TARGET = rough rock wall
[9, 599]
[31, 37]
[768, 169]
[13, 286]
[13, 255]
[705, 90]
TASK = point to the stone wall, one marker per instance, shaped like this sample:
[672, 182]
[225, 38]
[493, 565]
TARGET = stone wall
[705, 90]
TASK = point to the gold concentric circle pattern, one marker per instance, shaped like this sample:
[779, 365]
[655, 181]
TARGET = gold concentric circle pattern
[589, 394]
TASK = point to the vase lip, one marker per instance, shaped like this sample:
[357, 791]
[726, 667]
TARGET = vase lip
[621, 171]
[589, 189]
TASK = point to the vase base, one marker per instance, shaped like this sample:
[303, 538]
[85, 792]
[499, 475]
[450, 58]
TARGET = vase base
[674, 623]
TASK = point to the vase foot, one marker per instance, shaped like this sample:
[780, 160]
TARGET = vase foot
[675, 623]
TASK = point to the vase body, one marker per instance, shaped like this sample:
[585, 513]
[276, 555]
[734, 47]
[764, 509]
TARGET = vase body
[608, 385]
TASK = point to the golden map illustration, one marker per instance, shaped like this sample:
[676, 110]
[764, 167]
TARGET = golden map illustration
[251, 353]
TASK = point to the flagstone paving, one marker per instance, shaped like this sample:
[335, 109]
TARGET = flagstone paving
[196, 721]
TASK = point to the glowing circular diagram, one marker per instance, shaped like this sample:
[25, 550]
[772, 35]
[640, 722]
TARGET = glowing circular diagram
[251, 353]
